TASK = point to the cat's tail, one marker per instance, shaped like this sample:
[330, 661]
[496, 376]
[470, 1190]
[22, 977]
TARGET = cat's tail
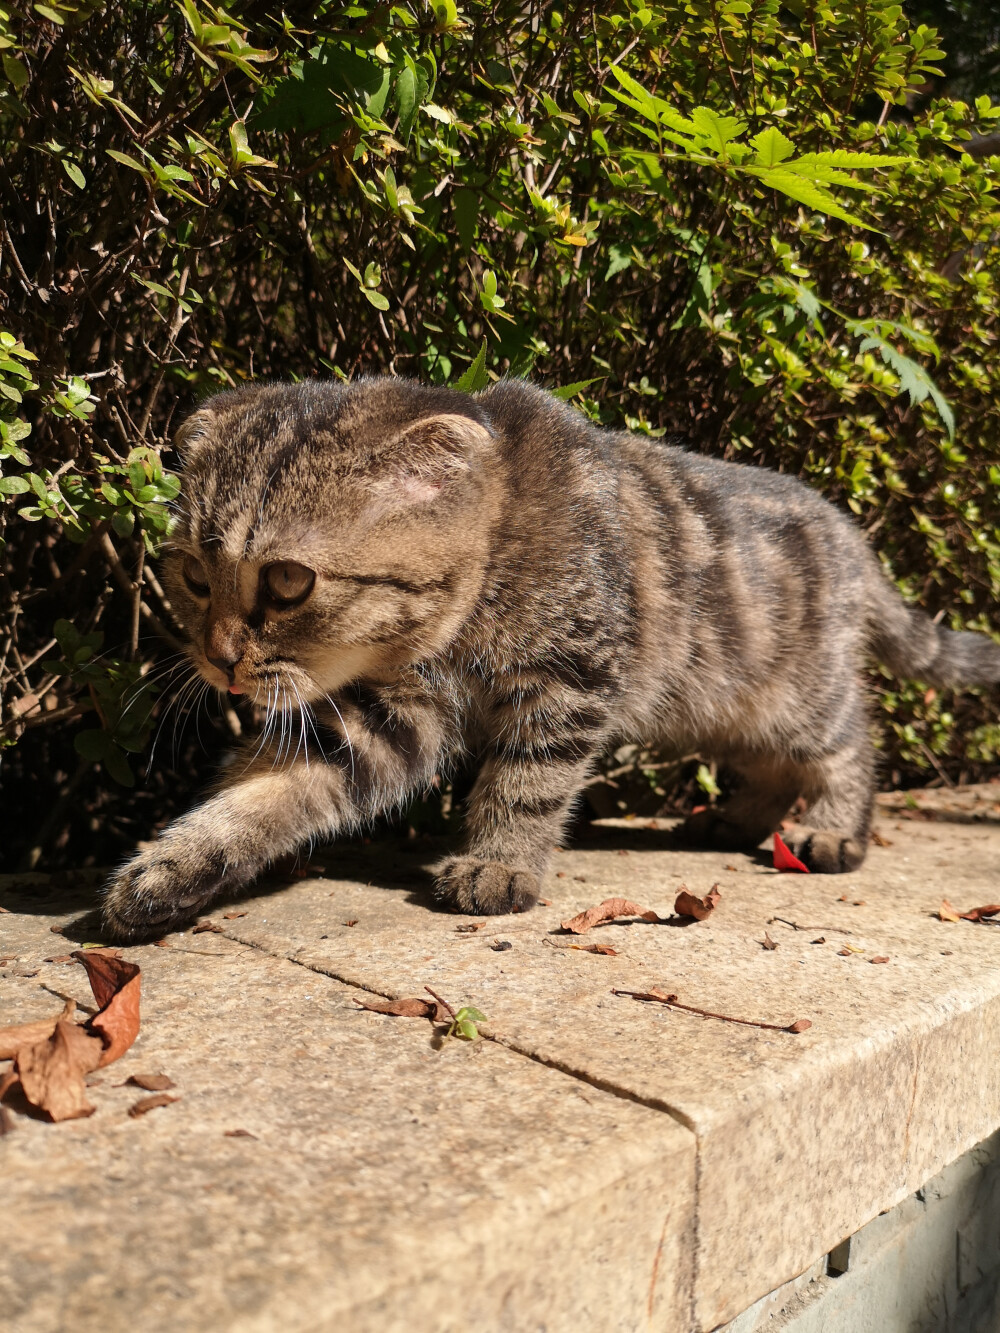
[914, 647]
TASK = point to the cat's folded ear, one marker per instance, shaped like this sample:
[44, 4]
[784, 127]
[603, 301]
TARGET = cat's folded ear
[427, 459]
[193, 433]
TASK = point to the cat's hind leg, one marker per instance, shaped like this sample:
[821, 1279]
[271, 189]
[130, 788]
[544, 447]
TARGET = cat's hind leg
[833, 835]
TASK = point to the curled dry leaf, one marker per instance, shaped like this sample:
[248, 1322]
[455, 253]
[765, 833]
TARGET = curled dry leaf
[238, 1134]
[786, 860]
[52, 1060]
[232, 916]
[52, 1072]
[880, 958]
[12, 1039]
[980, 913]
[116, 985]
[767, 942]
[948, 913]
[415, 1008]
[700, 908]
[609, 910]
[212, 927]
[145, 1104]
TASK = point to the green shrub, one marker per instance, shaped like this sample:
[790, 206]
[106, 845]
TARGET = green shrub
[721, 219]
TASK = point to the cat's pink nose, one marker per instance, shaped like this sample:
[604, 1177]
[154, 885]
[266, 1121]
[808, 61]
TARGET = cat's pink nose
[227, 665]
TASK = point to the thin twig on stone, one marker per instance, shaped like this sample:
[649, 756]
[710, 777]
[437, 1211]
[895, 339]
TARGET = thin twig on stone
[659, 997]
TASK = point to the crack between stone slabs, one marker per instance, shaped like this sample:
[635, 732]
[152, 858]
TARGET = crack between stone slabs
[560, 1067]
[603, 1085]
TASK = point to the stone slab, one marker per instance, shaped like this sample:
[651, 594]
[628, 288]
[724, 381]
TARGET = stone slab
[393, 1182]
[801, 1139]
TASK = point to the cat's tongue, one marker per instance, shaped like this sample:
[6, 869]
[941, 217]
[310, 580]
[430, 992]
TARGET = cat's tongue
[235, 689]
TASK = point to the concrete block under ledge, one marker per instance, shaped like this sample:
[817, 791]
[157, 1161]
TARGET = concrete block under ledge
[929, 1265]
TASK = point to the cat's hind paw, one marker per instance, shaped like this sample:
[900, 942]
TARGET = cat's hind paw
[824, 851]
[485, 888]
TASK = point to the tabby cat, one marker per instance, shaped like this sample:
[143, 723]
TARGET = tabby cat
[405, 576]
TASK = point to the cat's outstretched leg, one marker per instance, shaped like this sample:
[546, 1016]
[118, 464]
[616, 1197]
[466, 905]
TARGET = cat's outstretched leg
[519, 805]
[265, 809]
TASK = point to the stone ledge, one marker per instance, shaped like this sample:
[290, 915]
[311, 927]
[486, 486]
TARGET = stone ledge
[390, 1186]
[798, 1141]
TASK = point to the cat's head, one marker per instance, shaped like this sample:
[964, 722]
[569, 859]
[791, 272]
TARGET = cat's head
[328, 532]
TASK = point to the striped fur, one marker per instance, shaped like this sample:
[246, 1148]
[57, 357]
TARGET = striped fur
[497, 579]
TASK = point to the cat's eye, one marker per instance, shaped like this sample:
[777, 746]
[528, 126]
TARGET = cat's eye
[288, 582]
[195, 576]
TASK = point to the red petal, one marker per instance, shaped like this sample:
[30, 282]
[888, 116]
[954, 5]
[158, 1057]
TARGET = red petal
[783, 858]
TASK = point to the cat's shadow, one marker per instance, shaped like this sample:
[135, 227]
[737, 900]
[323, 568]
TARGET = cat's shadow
[395, 864]
[76, 894]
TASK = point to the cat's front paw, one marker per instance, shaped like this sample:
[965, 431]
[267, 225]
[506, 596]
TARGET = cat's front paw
[158, 890]
[486, 888]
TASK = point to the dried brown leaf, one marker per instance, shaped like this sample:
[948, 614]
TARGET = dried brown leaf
[13, 1038]
[52, 1072]
[881, 958]
[415, 1008]
[700, 908]
[145, 1104]
[583, 948]
[978, 913]
[149, 1082]
[239, 1134]
[946, 912]
[232, 916]
[767, 942]
[609, 910]
[116, 984]
[212, 927]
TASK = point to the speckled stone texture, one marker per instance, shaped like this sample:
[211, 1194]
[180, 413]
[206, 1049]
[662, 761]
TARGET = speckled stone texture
[518, 1183]
[389, 1185]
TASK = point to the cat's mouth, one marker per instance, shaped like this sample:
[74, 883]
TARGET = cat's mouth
[285, 679]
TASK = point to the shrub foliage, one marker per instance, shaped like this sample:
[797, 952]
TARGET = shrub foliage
[731, 221]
